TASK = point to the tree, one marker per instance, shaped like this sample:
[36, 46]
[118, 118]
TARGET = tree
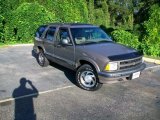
[70, 11]
[105, 9]
[151, 40]
[24, 21]
[1, 29]
[121, 12]
[141, 8]
[91, 14]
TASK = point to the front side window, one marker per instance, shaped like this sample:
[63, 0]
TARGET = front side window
[63, 34]
[50, 33]
[89, 35]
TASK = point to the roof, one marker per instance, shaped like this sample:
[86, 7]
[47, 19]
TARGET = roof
[72, 24]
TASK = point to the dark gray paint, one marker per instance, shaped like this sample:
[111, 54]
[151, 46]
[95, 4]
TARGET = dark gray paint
[71, 55]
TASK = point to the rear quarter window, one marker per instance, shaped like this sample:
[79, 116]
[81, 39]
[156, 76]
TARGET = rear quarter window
[40, 31]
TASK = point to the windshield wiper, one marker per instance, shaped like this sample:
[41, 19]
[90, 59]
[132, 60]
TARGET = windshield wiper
[90, 42]
[94, 42]
[101, 41]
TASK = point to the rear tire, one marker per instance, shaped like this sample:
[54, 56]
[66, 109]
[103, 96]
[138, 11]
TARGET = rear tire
[42, 60]
[87, 78]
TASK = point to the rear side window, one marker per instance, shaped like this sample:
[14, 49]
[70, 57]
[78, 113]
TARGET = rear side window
[40, 31]
[50, 33]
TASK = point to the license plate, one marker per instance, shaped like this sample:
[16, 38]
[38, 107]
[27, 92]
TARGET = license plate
[135, 75]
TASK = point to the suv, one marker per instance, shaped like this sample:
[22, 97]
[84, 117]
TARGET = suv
[89, 51]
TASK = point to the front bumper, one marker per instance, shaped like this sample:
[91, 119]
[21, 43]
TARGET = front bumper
[105, 77]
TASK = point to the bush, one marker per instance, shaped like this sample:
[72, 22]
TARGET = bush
[151, 40]
[70, 11]
[99, 14]
[1, 28]
[126, 38]
[24, 21]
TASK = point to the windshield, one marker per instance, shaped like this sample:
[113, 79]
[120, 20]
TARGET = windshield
[89, 35]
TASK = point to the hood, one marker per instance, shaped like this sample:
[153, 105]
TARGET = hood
[110, 50]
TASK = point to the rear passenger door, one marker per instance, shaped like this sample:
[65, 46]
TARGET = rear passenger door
[49, 41]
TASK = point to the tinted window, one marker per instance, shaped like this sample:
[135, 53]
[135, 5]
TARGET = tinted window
[40, 31]
[63, 34]
[50, 33]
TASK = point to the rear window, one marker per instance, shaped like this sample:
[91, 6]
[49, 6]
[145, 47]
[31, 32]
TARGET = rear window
[40, 31]
[50, 33]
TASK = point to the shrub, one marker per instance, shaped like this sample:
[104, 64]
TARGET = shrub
[1, 28]
[71, 11]
[24, 21]
[151, 39]
[126, 38]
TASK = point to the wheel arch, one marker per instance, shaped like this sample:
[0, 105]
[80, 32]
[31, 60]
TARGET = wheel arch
[88, 61]
[40, 48]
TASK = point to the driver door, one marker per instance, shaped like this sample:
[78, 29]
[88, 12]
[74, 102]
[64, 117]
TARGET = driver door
[64, 53]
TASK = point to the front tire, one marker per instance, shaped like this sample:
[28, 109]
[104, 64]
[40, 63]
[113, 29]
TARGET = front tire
[87, 78]
[42, 60]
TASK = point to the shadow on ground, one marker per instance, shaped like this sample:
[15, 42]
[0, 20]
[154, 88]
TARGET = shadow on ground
[24, 105]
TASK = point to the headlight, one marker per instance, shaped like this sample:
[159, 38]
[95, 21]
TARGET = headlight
[111, 66]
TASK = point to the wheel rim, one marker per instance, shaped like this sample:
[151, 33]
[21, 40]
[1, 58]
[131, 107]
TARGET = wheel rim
[88, 79]
[41, 58]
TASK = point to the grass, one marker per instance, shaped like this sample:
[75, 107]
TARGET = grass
[2, 45]
[152, 57]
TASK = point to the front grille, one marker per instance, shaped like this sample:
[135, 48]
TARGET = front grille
[130, 63]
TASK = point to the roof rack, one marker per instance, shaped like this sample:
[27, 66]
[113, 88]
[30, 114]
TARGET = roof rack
[70, 24]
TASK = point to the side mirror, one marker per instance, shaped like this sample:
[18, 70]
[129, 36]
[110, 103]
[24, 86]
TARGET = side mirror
[65, 42]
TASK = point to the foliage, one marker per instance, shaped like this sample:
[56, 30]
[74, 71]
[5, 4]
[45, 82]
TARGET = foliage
[20, 18]
[105, 8]
[71, 11]
[142, 7]
[1, 28]
[122, 13]
[91, 15]
[25, 20]
[126, 38]
[151, 40]
[98, 12]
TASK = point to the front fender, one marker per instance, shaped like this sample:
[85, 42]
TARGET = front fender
[90, 61]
